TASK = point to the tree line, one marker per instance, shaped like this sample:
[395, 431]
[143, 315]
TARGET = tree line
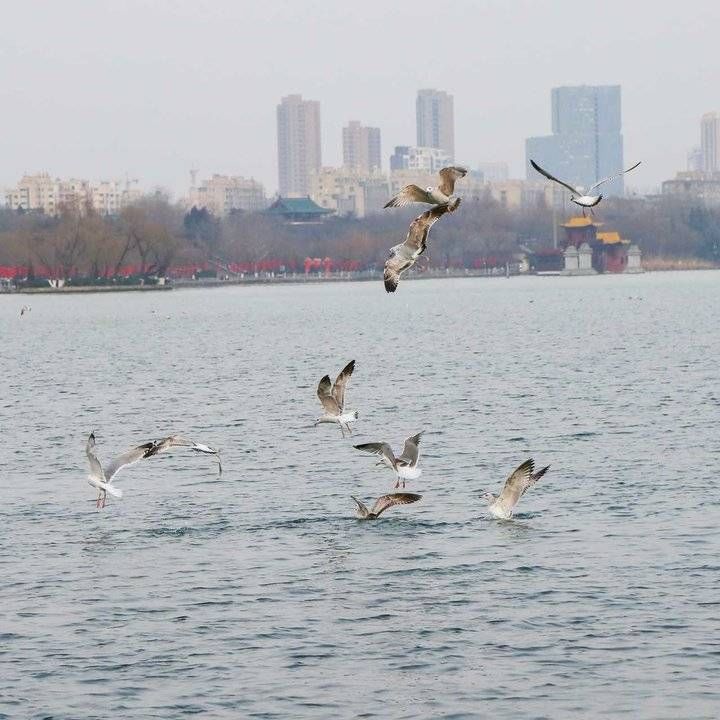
[154, 235]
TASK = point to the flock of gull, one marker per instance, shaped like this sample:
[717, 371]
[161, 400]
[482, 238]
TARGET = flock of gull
[332, 394]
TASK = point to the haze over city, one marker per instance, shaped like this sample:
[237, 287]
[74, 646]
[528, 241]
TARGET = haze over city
[150, 90]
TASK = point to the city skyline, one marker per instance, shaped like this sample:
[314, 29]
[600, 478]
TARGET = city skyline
[189, 90]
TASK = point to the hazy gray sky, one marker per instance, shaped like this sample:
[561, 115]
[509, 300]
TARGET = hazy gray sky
[98, 89]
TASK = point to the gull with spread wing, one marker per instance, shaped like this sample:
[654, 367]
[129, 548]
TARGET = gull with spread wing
[383, 503]
[432, 195]
[403, 256]
[578, 195]
[101, 478]
[405, 466]
[332, 397]
[515, 487]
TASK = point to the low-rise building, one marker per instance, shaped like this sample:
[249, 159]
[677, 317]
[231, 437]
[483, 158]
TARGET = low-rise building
[696, 186]
[221, 194]
[42, 193]
[424, 159]
[346, 192]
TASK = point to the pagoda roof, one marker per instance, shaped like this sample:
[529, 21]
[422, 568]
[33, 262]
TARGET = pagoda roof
[579, 221]
[297, 206]
[611, 238]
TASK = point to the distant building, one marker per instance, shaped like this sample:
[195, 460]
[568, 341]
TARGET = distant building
[494, 171]
[299, 153]
[297, 210]
[49, 195]
[425, 159]
[346, 192]
[222, 194]
[361, 148]
[694, 159]
[435, 121]
[586, 144]
[710, 142]
[695, 187]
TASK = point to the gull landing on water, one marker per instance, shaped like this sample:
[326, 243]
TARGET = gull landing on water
[332, 397]
[403, 256]
[515, 487]
[578, 194]
[383, 503]
[432, 196]
[405, 466]
[100, 477]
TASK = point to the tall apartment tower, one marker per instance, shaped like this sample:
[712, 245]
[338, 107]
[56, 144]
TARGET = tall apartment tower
[435, 121]
[586, 144]
[299, 155]
[361, 148]
[710, 142]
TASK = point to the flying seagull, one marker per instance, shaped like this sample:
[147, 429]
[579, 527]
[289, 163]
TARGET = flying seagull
[404, 256]
[515, 487]
[383, 503]
[24, 309]
[433, 195]
[101, 478]
[578, 194]
[332, 397]
[404, 466]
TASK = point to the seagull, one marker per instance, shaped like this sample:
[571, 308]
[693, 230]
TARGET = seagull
[332, 397]
[515, 487]
[101, 478]
[433, 196]
[405, 466]
[404, 255]
[578, 195]
[24, 309]
[383, 503]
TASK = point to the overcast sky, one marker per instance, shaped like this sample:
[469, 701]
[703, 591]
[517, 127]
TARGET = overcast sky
[151, 88]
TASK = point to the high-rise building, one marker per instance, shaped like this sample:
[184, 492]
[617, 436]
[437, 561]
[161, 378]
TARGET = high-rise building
[586, 144]
[299, 154]
[361, 147]
[694, 159]
[710, 142]
[435, 121]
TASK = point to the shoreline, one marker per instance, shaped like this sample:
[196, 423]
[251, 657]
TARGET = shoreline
[302, 280]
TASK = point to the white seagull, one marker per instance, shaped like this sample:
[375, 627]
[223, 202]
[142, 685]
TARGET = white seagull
[101, 478]
[515, 487]
[24, 309]
[432, 195]
[404, 466]
[403, 256]
[383, 503]
[577, 193]
[332, 397]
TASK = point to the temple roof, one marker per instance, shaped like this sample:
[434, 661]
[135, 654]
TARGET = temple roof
[580, 221]
[297, 206]
[611, 238]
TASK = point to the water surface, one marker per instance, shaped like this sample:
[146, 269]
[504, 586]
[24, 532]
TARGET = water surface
[259, 595]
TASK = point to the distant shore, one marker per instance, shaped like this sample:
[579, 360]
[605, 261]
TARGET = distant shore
[654, 265]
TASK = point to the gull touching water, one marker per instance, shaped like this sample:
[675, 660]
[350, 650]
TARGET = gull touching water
[332, 397]
[403, 256]
[101, 478]
[515, 487]
[433, 195]
[404, 466]
[577, 193]
[383, 503]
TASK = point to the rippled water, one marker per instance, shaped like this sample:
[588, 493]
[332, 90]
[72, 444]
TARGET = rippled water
[259, 595]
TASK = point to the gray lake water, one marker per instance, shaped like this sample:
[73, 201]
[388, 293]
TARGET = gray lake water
[259, 595]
